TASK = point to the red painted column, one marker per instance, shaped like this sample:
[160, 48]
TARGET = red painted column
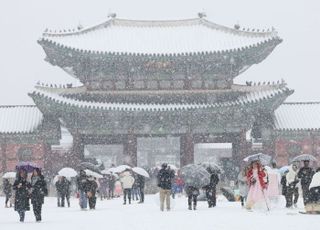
[186, 149]
[130, 148]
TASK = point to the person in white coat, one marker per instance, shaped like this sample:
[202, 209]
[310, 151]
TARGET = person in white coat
[127, 182]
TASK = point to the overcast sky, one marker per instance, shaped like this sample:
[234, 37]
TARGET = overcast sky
[296, 60]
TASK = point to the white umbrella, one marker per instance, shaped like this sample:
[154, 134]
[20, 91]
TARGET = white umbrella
[105, 172]
[121, 168]
[93, 174]
[9, 175]
[112, 170]
[67, 172]
[141, 171]
[56, 178]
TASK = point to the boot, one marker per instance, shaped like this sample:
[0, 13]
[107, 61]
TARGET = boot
[189, 207]
[194, 207]
[129, 201]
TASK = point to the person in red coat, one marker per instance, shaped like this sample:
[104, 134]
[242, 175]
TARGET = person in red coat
[257, 179]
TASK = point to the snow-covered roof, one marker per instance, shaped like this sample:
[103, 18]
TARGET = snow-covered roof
[249, 97]
[298, 116]
[159, 37]
[19, 119]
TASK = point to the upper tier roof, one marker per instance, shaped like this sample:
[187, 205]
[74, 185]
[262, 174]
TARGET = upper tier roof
[19, 119]
[298, 116]
[159, 37]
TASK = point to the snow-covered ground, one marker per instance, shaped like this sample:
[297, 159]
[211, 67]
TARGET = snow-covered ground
[111, 214]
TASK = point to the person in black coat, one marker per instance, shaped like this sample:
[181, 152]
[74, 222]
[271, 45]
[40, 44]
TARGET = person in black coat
[82, 189]
[63, 190]
[38, 192]
[7, 190]
[211, 190]
[91, 189]
[165, 177]
[141, 183]
[192, 193]
[305, 175]
[21, 187]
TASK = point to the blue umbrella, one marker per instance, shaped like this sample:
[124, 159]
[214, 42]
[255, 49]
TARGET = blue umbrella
[26, 166]
[284, 169]
[263, 158]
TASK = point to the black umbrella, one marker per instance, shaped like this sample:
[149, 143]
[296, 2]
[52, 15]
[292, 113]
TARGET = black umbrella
[228, 193]
[90, 166]
[195, 175]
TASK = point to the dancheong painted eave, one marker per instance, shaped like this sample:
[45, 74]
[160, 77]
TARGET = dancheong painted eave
[19, 119]
[159, 38]
[298, 116]
[249, 98]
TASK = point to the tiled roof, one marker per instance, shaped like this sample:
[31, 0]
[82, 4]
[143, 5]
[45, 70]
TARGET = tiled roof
[298, 116]
[159, 37]
[19, 119]
[249, 97]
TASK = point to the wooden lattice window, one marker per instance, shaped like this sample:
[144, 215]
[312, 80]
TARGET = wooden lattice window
[24, 154]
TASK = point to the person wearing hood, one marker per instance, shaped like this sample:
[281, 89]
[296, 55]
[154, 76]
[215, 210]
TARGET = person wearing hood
[38, 192]
[82, 187]
[313, 205]
[63, 188]
[21, 187]
[292, 193]
[127, 182]
[305, 175]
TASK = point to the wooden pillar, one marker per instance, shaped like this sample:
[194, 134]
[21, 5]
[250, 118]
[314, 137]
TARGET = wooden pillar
[186, 149]
[239, 148]
[77, 152]
[47, 160]
[130, 147]
[3, 156]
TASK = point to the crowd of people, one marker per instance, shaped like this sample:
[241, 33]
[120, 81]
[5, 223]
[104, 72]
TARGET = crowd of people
[261, 184]
[257, 184]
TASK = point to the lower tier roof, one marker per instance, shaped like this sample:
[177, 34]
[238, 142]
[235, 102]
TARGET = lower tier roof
[298, 116]
[21, 119]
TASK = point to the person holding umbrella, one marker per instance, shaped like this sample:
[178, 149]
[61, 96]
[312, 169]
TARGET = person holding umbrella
[192, 193]
[82, 189]
[258, 182]
[38, 192]
[211, 190]
[7, 190]
[291, 186]
[305, 175]
[21, 187]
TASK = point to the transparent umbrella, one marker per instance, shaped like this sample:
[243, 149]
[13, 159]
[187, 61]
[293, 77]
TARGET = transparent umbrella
[195, 175]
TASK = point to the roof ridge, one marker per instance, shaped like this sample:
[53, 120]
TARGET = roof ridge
[161, 23]
[301, 103]
[17, 106]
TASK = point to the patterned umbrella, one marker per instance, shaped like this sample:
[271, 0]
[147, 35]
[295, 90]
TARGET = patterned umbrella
[195, 175]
